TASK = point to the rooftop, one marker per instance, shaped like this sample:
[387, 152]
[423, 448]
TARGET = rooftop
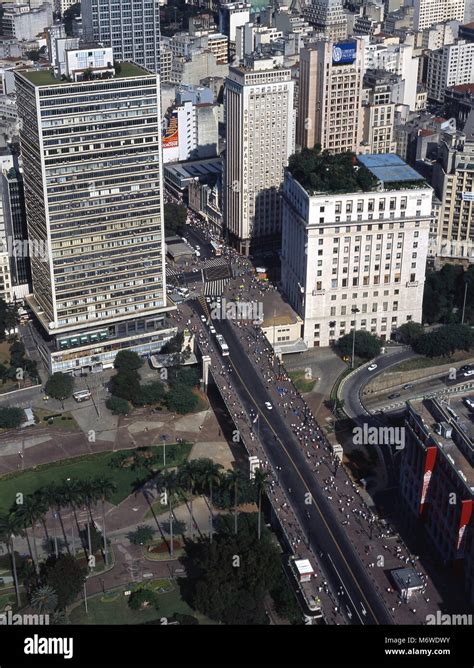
[322, 172]
[389, 168]
[45, 77]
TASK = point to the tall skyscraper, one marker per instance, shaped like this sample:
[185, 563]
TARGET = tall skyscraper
[328, 17]
[94, 201]
[260, 138]
[330, 95]
[130, 27]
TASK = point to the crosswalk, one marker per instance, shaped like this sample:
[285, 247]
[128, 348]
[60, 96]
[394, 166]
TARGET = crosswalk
[171, 272]
[215, 288]
[215, 262]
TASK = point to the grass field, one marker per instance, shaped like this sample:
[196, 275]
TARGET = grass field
[110, 609]
[301, 383]
[84, 468]
[426, 362]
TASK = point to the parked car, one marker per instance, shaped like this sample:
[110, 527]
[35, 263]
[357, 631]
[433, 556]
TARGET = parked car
[408, 386]
[394, 395]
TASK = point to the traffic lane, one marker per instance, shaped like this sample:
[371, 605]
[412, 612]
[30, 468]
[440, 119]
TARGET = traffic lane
[331, 538]
[351, 390]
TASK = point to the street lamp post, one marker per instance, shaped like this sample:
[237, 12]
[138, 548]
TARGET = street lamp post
[163, 438]
[464, 302]
[354, 310]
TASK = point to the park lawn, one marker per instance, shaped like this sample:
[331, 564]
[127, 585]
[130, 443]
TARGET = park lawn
[84, 468]
[301, 383]
[66, 421]
[116, 611]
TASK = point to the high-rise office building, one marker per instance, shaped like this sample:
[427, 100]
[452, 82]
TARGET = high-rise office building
[328, 17]
[130, 27]
[260, 138]
[94, 202]
[378, 113]
[428, 12]
[450, 66]
[356, 258]
[330, 95]
[11, 187]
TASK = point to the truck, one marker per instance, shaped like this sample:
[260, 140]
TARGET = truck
[221, 342]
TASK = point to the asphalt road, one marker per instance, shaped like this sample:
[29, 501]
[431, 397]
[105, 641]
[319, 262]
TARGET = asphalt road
[344, 570]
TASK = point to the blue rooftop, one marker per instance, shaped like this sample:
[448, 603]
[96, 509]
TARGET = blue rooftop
[389, 167]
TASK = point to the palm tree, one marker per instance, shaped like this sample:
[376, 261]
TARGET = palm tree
[44, 599]
[209, 476]
[169, 482]
[73, 494]
[105, 488]
[90, 494]
[10, 527]
[233, 478]
[43, 506]
[27, 515]
[187, 479]
[260, 482]
[56, 497]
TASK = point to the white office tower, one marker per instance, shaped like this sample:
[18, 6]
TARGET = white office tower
[130, 27]
[260, 124]
[452, 65]
[428, 12]
[355, 249]
[328, 17]
[91, 148]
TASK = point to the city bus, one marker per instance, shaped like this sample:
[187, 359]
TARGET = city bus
[217, 248]
[82, 395]
[223, 347]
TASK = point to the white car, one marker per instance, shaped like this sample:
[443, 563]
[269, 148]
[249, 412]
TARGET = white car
[372, 367]
[198, 247]
[212, 329]
[203, 318]
[268, 405]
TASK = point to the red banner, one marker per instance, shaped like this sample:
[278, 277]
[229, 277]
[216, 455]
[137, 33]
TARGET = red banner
[431, 453]
[466, 513]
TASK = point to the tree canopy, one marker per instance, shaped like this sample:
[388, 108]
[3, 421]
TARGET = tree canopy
[59, 386]
[181, 398]
[443, 297]
[321, 171]
[444, 341]
[175, 217]
[367, 345]
[11, 417]
[66, 576]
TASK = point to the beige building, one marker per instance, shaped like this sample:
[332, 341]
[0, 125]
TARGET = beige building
[330, 95]
[260, 138]
[378, 113]
[327, 17]
[428, 12]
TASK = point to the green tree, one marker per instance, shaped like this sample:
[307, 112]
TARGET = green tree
[184, 375]
[11, 526]
[66, 576]
[126, 385]
[56, 498]
[444, 341]
[220, 590]
[59, 386]
[367, 345]
[17, 354]
[105, 489]
[174, 345]
[143, 597]
[181, 399]
[175, 217]
[127, 360]
[409, 331]
[27, 514]
[285, 601]
[142, 535]
[44, 599]
[118, 406]
[151, 393]
[11, 417]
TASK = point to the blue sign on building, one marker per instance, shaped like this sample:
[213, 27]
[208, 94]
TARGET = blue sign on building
[344, 53]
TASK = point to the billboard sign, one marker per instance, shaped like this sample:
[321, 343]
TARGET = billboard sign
[344, 53]
[170, 138]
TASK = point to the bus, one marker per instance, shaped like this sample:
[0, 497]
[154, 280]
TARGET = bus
[217, 248]
[82, 395]
[223, 347]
